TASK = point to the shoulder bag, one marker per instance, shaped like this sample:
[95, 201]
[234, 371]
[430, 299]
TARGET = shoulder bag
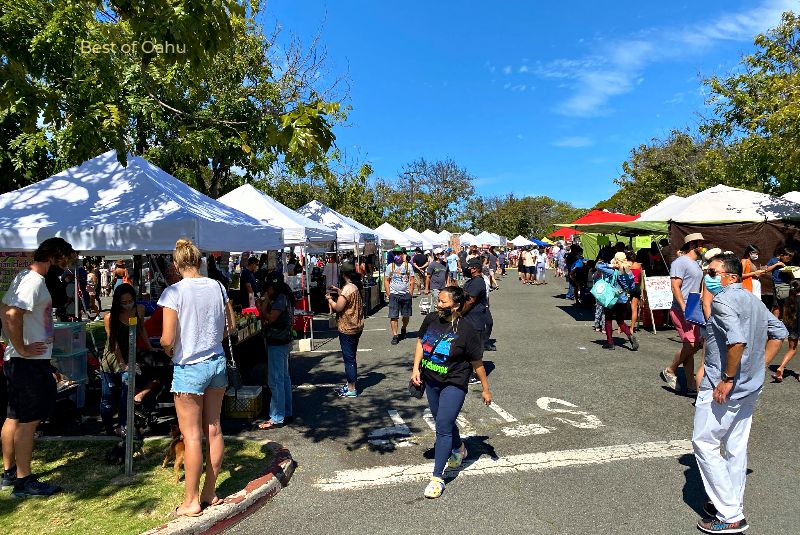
[234, 377]
[606, 293]
[694, 309]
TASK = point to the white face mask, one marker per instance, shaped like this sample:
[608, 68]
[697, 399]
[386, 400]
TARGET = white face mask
[753, 256]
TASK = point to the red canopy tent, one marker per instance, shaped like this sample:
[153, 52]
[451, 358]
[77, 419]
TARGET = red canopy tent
[595, 216]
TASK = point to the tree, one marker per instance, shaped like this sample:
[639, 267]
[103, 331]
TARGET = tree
[757, 110]
[527, 216]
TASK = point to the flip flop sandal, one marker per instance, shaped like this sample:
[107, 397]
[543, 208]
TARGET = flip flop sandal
[175, 514]
[213, 503]
[777, 377]
[269, 425]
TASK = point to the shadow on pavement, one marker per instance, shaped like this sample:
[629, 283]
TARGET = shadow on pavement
[694, 494]
[577, 313]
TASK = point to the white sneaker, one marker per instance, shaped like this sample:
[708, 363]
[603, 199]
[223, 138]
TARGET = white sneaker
[435, 488]
[669, 378]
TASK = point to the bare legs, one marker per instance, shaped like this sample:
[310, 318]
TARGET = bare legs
[685, 357]
[17, 440]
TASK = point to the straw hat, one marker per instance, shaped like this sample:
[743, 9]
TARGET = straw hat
[694, 236]
[621, 260]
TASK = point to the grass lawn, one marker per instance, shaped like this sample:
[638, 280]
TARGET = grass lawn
[98, 499]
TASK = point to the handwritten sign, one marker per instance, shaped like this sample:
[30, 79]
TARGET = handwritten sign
[10, 265]
[659, 292]
[641, 242]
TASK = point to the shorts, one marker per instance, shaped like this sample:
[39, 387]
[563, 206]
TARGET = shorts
[399, 305]
[530, 270]
[197, 377]
[688, 331]
[419, 278]
[636, 292]
[31, 389]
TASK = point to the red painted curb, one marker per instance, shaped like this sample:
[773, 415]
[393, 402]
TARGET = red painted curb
[239, 505]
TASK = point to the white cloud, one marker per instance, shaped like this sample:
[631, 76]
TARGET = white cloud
[618, 66]
[523, 69]
[507, 69]
[574, 142]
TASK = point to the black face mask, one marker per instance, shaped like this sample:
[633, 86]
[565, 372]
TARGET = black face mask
[444, 313]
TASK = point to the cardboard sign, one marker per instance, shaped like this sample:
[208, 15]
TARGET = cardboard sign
[641, 242]
[455, 242]
[10, 265]
[659, 292]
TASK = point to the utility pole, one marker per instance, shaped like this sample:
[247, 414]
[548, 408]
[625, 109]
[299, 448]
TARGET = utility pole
[411, 175]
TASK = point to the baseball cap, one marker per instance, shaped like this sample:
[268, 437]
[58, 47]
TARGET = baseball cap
[398, 249]
[475, 263]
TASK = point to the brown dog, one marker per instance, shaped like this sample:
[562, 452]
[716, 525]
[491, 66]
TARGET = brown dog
[175, 451]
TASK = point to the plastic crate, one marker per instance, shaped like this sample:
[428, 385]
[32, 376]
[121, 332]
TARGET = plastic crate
[246, 403]
[69, 338]
[72, 366]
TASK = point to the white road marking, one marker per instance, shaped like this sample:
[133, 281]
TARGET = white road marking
[466, 428]
[381, 476]
[396, 418]
[398, 429]
[502, 412]
[309, 386]
[428, 417]
[526, 430]
[333, 350]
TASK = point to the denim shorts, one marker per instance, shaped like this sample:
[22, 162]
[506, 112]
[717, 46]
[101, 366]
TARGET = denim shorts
[196, 378]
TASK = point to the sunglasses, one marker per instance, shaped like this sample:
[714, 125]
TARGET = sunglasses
[714, 272]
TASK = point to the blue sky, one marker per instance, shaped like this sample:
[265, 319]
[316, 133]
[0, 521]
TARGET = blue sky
[533, 98]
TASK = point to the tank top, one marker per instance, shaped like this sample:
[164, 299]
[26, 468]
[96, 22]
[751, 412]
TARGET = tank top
[747, 267]
[637, 275]
[109, 362]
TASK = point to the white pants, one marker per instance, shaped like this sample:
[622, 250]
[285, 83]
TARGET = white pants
[726, 426]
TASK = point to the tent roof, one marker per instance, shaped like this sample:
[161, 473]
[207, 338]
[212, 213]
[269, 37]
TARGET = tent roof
[399, 237]
[520, 241]
[468, 239]
[602, 216]
[102, 207]
[648, 214]
[348, 230]
[565, 232]
[445, 235]
[489, 239]
[433, 237]
[793, 196]
[426, 243]
[297, 228]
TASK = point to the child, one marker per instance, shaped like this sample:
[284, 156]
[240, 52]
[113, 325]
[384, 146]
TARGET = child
[789, 317]
[599, 312]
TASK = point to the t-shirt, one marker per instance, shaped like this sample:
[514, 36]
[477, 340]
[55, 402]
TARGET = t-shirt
[201, 318]
[452, 262]
[778, 276]
[476, 287]
[398, 278]
[462, 256]
[689, 272]
[492, 261]
[541, 260]
[528, 260]
[447, 350]
[351, 319]
[248, 277]
[279, 332]
[28, 291]
[438, 273]
[502, 258]
[419, 260]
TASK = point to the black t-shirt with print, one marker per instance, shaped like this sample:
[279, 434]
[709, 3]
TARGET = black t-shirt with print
[447, 350]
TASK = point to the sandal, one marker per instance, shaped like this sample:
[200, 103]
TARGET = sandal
[435, 488]
[778, 376]
[457, 457]
[175, 514]
[270, 425]
[213, 503]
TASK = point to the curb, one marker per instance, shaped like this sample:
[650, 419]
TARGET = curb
[237, 506]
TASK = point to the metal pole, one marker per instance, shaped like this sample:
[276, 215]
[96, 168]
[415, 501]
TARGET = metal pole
[307, 277]
[130, 425]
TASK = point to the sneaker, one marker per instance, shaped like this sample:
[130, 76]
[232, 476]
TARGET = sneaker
[435, 488]
[347, 393]
[474, 380]
[634, 342]
[403, 333]
[490, 347]
[340, 389]
[712, 525]
[457, 457]
[609, 346]
[670, 378]
[9, 478]
[30, 486]
[709, 509]
[395, 340]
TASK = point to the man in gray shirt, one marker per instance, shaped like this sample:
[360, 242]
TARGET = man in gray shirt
[436, 275]
[741, 331]
[686, 276]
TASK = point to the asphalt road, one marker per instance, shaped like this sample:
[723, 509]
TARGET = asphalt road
[619, 462]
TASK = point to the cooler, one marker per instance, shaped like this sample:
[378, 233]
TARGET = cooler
[69, 337]
[246, 403]
[72, 366]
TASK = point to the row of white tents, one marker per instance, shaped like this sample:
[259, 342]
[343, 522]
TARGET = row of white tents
[102, 207]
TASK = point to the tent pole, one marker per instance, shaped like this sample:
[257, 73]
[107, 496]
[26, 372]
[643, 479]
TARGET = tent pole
[307, 276]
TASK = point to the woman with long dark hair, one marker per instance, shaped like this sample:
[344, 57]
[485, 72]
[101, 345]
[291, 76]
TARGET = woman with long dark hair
[349, 309]
[790, 318]
[448, 352]
[114, 363]
[276, 310]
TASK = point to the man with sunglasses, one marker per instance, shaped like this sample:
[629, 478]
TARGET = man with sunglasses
[740, 331]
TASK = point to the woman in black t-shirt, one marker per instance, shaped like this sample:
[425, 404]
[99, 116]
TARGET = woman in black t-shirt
[448, 350]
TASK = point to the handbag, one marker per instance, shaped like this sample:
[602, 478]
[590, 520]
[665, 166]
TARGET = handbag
[606, 293]
[415, 391]
[234, 377]
[694, 310]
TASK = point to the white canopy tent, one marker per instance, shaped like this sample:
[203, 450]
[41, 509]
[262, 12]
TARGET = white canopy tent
[433, 237]
[486, 238]
[792, 196]
[660, 207]
[469, 239]
[502, 241]
[349, 232]
[519, 241]
[399, 237]
[427, 245]
[445, 235]
[297, 228]
[101, 207]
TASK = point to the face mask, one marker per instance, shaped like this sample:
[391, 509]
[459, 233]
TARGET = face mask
[128, 306]
[753, 256]
[398, 260]
[444, 313]
[713, 284]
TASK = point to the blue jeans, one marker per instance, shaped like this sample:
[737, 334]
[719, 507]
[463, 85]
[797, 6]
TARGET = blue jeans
[571, 291]
[114, 393]
[279, 382]
[349, 344]
[445, 402]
